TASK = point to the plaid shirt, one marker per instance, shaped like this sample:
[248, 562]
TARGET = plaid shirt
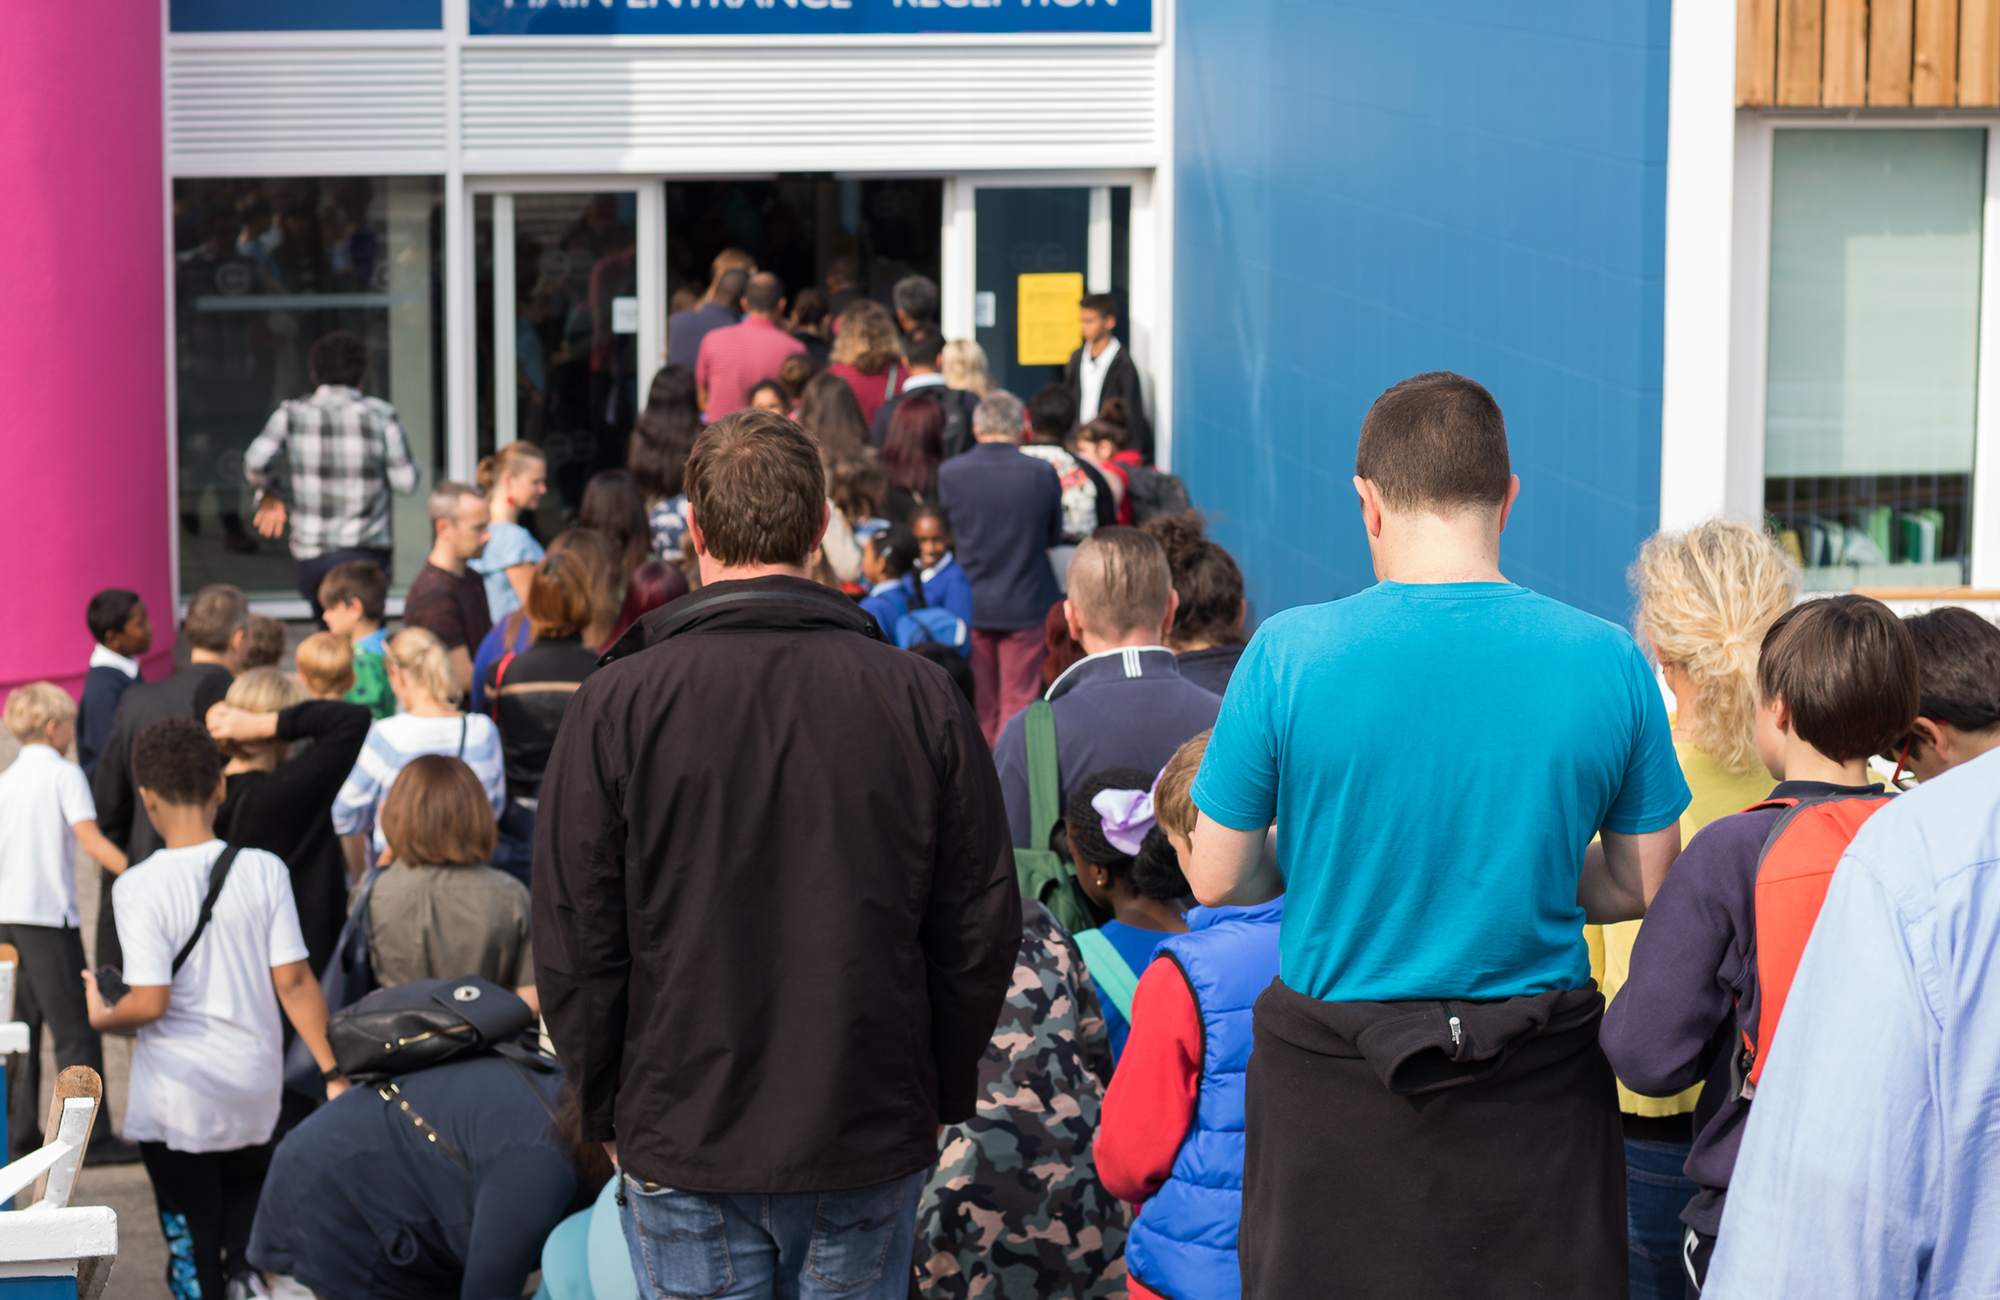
[341, 454]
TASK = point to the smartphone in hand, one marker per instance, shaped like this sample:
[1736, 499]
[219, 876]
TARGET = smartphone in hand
[111, 985]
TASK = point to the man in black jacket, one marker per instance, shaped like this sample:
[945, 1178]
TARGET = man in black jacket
[1102, 369]
[218, 619]
[775, 910]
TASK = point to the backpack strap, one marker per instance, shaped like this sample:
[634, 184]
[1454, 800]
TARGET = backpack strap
[514, 1056]
[1109, 968]
[1794, 871]
[218, 876]
[1044, 784]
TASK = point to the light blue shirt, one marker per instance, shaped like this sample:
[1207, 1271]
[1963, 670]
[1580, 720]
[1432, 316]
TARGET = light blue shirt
[1437, 757]
[1871, 1165]
[506, 546]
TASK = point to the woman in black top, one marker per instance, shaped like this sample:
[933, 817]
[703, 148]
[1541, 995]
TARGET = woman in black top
[286, 806]
[529, 691]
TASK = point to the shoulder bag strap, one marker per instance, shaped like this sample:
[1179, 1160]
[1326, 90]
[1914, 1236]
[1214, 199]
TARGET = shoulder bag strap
[512, 1055]
[464, 721]
[218, 875]
[1109, 969]
[1044, 787]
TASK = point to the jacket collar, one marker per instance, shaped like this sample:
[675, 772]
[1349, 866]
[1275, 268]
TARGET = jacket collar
[1115, 665]
[1200, 918]
[747, 605]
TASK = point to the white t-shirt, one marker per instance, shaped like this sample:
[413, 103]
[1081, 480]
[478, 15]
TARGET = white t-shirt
[208, 1075]
[42, 795]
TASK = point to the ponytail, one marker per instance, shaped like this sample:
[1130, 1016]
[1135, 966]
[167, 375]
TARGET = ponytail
[505, 463]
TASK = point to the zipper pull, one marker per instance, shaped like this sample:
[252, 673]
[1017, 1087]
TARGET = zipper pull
[1456, 1032]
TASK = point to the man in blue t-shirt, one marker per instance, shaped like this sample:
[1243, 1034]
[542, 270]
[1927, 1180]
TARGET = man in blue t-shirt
[1437, 753]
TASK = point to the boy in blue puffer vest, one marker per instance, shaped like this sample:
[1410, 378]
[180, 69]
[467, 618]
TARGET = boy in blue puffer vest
[1171, 1136]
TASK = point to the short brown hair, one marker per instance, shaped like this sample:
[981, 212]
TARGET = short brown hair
[1173, 800]
[361, 580]
[757, 489]
[264, 647]
[214, 615]
[326, 664]
[437, 814]
[1205, 577]
[1435, 442]
[1119, 581]
[1846, 668]
[561, 601]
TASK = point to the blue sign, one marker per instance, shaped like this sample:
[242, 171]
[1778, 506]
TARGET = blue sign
[803, 17]
[305, 15]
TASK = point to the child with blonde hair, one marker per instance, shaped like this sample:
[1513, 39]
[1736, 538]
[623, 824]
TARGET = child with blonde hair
[326, 665]
[45, 813]
[421, 676]
[1706, 598]
[1172, 1137]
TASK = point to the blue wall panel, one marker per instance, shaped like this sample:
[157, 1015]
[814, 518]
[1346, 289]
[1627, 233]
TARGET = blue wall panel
[1367, 191]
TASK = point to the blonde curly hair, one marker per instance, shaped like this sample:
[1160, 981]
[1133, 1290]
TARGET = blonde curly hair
[867, 337]
[1706, 598]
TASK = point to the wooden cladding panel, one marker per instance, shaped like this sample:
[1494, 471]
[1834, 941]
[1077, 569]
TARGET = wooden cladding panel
[1979, 52]
[1934, 61]
[1799, 52]
[1844, 77]
[1881, 53]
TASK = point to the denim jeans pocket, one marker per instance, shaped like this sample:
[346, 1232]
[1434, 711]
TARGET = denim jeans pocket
[682, 1242]
[852, 1232]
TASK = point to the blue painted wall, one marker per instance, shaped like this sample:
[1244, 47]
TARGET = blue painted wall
[1369, 190]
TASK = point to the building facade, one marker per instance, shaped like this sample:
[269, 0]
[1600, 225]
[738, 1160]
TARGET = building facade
[1751, 279]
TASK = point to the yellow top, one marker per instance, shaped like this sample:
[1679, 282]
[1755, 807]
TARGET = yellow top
[1717, 792]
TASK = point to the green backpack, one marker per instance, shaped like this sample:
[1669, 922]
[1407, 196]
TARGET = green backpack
[1045, 877]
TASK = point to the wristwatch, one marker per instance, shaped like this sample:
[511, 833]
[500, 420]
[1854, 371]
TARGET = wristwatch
[328, 1076]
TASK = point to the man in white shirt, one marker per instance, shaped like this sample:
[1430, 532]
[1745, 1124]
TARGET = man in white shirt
[212, 949]
[1102, 369]
[45, 812]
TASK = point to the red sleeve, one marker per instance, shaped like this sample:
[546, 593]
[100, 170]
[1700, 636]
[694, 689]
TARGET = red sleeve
[1151, 1102]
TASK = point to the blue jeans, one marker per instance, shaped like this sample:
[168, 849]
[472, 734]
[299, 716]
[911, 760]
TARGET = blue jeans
[765, 1246]
[1656, 1191]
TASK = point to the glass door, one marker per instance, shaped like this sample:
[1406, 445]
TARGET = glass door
[559, 323]
[1038, 250]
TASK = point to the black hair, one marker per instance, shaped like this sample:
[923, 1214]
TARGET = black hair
[1080, 834]
[1052, 412]
[338, 358]
[729, 286]
[922, 346]
[665, 432]
[177, 760]
[1103, 304]
[1156, 869]
[110, 610]
[955, 665]
[1958, 667]
[931, 510]
[917, 297]
[896, 546]
[764, 292]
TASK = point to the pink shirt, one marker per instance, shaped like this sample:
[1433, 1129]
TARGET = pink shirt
[735, 357]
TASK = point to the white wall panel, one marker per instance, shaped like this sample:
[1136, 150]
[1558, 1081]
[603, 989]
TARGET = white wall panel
[285, 109]
[847, 109]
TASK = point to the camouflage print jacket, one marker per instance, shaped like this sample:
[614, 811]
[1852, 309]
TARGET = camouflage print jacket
[1014, 1210]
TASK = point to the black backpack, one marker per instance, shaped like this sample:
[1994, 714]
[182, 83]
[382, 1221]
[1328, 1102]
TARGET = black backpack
[1154, 492]
[423, 1023]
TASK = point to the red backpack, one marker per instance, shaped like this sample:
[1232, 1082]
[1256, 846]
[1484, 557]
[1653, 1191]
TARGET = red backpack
[1793, 873]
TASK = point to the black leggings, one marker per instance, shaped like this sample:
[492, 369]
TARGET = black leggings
[207, 1201]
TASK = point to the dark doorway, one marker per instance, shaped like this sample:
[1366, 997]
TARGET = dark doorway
[796, 225]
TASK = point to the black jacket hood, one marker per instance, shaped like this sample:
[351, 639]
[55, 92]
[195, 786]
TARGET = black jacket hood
[747, 604]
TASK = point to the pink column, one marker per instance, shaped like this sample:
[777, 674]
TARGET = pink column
[83, 393]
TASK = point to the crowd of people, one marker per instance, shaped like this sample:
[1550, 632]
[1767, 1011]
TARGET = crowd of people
[920, 884]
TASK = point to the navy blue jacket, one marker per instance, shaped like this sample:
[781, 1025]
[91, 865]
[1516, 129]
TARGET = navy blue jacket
[1694, 964]
[1006, 512]
[1118, 708]
[686, 330]
[103, 687]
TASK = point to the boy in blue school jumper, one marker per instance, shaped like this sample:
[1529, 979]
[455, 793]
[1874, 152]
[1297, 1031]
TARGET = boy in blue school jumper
[118, 623]
[1171, 1136]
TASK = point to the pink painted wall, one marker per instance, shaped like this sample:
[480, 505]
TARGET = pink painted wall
[83, 394]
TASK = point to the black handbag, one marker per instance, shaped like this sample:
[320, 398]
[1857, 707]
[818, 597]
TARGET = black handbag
[424, 1023]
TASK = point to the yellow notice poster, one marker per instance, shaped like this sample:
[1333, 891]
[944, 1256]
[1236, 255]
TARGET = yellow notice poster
[1046, 319]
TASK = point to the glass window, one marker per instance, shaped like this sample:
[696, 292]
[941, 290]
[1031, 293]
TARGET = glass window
[1873, 352]
[1028, 232]
[264, 268]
